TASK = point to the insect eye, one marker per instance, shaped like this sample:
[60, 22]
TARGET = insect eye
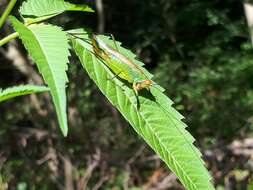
[148, 82]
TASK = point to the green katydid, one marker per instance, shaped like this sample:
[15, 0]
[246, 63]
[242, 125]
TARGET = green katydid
[121, 65]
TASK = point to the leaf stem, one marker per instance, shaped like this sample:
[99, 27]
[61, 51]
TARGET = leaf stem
[8, 38]
[7, 12]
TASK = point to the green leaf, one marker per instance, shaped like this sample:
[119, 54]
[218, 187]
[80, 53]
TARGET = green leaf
[48, 46]
[15, 91]
[155, 120]
[32, 9]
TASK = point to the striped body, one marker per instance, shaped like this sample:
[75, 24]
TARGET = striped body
[121, 65]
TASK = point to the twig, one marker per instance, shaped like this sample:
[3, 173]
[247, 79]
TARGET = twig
[58, 184]
[136, 155]
[248, 8]
[126, 180]
[167, 182]
[101, 18]
[8, 38]
[7, 12]
[92, 164]
[2, 159]
[153, 179]
[128, 163]
[100, 182]
[68, 171]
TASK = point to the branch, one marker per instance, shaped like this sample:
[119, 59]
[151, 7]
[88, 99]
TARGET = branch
[248, 8]
[7, 12]
[8, 38]
[101, 18]
[92, 164]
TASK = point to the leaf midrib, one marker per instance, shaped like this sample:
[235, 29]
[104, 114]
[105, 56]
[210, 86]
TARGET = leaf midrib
[56, 97]
[51, 72]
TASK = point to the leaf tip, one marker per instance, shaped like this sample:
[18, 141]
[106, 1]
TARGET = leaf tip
[65, 131]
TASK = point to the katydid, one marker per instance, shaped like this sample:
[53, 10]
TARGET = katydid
[121, 65]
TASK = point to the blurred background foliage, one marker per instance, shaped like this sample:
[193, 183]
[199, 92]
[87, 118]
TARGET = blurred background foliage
[199, 51]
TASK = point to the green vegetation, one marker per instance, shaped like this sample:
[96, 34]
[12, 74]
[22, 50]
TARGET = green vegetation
[19, 91]
[198, 51]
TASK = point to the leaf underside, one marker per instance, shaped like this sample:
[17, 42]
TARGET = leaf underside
[21, 90]
[155, 120]
[41, 8]
[48, 46]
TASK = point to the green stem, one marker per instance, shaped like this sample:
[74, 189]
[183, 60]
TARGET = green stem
[7, 12]
[14, 35]
[8, 38]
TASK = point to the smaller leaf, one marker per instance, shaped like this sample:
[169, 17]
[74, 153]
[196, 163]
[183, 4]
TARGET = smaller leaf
[34, 9]
[84, 8]
[20, 91]
[49, 48]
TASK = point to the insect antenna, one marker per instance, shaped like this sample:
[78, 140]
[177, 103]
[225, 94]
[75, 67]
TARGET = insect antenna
[75, 35]
[114, 41]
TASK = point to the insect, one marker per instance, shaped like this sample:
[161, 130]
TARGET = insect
[121, 65]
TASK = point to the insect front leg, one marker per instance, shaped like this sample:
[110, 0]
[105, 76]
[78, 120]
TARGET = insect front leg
[135, 87]
[115, 76]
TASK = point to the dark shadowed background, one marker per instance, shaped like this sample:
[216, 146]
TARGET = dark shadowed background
[199, 51]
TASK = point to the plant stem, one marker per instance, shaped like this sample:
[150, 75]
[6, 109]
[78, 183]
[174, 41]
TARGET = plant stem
[8, 38]
[7, 12]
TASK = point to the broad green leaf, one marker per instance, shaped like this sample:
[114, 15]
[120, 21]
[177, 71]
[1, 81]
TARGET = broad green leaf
[48, 46]
[33, 9]
[155, 120]
[21, 90]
